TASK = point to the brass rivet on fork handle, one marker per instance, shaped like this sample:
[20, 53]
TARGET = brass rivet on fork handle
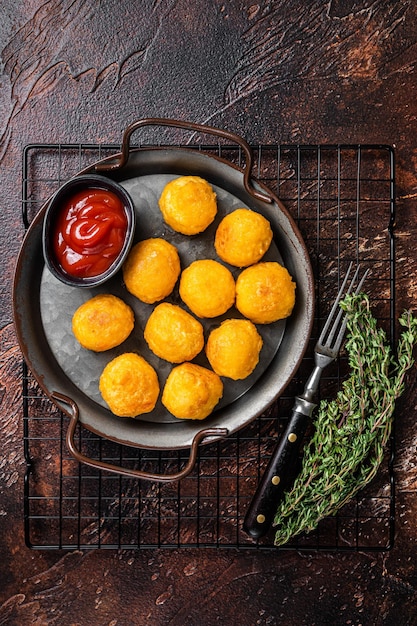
[282, 467]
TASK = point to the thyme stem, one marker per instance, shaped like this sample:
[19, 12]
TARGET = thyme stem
[352, 430]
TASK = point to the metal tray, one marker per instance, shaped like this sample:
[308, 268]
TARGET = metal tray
[43, 306]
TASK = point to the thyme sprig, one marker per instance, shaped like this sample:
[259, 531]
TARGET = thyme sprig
[351, 431]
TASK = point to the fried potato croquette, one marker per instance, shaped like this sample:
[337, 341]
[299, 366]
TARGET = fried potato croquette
[233, 348]
[102, 323]
[173, 334]
[129, 385]
[265, 293]
[243, 237]
[208, 288]
[191, 391]
[151, 270]
[188, 204]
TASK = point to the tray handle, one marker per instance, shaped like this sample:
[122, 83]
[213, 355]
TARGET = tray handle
[73, 414]
[194, 127]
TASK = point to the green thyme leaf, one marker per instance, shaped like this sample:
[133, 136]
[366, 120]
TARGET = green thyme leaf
[351, 431]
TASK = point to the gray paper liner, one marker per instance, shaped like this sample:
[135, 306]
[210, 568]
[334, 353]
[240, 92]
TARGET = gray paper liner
[58, 302]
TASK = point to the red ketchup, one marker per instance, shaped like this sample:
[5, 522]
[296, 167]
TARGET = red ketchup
[89, 232]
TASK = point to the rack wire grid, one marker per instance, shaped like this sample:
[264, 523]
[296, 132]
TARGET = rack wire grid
[342, 198]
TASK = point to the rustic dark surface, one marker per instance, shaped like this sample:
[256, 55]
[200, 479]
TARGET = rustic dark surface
[340, 71]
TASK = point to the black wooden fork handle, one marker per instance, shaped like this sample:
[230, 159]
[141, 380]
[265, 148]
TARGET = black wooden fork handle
[280, 473]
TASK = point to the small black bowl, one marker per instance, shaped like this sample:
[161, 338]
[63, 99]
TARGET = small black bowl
[85, 182]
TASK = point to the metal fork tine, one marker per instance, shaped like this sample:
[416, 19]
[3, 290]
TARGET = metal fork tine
[335, 305]
[357, 290]
[359, 287]
[340, 313]
[339, 297]
[343, 326]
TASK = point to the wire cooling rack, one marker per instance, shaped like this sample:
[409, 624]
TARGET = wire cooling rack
[342, 198]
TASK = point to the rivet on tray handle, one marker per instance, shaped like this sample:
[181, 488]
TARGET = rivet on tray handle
[73, 414]
[201, 128]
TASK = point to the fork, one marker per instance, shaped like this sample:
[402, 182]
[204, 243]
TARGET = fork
[282, 467]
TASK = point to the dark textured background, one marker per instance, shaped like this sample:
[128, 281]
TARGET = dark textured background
[284, 71]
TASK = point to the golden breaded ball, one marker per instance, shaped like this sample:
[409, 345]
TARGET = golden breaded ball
[207, 288]
[243, 237]
[151, 270]
[265, 293]
[191, 391]
[102, 323]
[173, 334]
[129, 385]
[233, 348]
[188, 204]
